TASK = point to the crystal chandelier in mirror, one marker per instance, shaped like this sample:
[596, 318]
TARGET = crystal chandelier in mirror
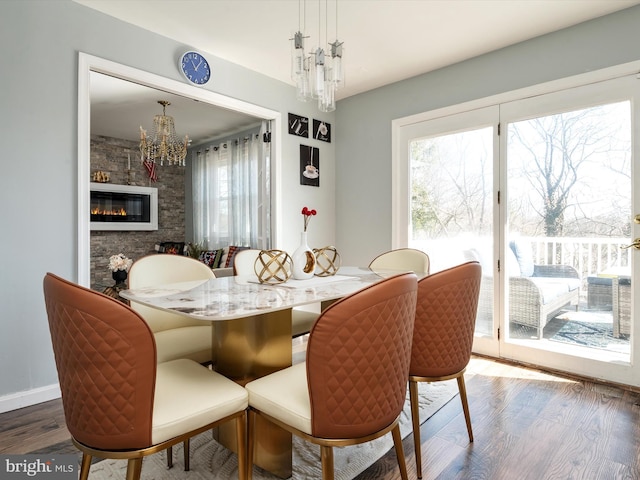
[163, 144]
[317, 75]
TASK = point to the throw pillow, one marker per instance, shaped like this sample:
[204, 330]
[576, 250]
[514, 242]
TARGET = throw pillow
[524, 256]
[211, 257]
[232, 253]
[513, 268]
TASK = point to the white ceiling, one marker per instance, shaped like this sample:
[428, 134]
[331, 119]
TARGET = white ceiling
[384, 40]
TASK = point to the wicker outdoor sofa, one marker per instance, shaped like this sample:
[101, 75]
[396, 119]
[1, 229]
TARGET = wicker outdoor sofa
[537, 293]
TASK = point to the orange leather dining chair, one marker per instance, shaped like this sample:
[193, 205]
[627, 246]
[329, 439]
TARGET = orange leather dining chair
[118, 401]
[301, 319]
[443, 336]
[402, 259]
[352, 387]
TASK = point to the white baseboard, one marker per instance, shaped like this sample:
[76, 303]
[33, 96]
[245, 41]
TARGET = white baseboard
[27, 398]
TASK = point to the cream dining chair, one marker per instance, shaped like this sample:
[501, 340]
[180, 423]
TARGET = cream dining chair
[118, 401]
[176, 336]
[302, 319]
[402, 259]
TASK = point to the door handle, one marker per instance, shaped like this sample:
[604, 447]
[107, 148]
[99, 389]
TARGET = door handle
[636, 219]
[635, 244]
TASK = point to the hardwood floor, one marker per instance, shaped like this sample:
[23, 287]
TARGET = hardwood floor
[527, 425]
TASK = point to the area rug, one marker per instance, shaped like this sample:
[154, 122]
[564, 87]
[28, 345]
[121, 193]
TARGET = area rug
[211, 461]
[588, 329]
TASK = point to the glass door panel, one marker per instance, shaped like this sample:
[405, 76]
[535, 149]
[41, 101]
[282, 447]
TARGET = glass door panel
[451, 207]
[568, 217]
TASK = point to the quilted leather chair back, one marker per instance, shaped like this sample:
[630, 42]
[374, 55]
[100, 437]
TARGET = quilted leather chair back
[445, 321]
[159, 269]
[402, 259]
[358, 359]
[106, 360]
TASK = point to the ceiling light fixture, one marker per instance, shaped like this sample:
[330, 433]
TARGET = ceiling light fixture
[317, 76]
[164, 144]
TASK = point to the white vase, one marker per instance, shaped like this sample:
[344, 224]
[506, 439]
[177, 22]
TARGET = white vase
[304, 260]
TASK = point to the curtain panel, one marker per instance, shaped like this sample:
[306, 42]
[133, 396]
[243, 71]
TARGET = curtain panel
[231, 189]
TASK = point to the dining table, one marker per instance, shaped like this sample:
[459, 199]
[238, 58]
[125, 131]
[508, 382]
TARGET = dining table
[252, 332]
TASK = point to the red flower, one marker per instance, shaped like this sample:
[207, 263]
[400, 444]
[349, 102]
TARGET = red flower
[307, 216]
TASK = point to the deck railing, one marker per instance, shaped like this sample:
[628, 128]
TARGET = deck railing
[589, 256]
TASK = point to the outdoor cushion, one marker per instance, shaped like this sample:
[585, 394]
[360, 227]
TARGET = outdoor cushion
[554, 287]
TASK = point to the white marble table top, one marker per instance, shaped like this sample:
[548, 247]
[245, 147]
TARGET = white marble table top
[227, 298]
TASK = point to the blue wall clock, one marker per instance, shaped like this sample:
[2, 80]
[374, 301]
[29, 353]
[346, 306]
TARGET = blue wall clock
[195, 68]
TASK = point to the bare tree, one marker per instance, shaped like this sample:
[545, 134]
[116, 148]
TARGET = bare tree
[553, 151]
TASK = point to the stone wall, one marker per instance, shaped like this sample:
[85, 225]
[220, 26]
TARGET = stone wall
[110, 155]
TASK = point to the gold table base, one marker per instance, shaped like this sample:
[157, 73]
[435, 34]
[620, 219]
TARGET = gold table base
[250, 348]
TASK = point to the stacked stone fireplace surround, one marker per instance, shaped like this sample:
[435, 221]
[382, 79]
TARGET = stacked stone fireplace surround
[110, 155]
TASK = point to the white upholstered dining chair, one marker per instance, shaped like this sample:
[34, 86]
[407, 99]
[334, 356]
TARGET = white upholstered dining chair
[176, 335]
[409, 259]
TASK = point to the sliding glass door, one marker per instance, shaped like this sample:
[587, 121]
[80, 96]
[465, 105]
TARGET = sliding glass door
[452, 208]
[540, 191]
[569, 217]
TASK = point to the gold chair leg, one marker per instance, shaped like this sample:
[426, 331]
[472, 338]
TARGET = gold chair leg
[415, 419]
[134, 468]
[250, 443]
[170, 457]
[465, 405]
[326, 455]
[185, 446]
[241, 434]
[85, 466]
[397, 442]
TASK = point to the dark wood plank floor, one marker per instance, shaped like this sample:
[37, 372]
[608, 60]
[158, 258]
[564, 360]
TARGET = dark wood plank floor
[527, 425]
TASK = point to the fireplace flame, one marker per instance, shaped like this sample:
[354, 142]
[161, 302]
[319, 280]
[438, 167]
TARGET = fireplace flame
[120, 212]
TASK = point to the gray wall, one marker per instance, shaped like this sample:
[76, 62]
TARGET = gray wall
[363, 151]
[39, 45]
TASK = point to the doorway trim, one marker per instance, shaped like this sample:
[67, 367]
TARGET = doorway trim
[88, 63]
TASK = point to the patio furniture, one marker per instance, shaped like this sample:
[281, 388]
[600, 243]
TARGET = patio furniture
[611, 290]
[621, 297]
[537, 293]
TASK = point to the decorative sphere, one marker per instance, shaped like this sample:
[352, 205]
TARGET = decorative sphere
[273, 266]
[327, 261]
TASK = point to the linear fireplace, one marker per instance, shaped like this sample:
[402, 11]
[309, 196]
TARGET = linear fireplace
[123, 207]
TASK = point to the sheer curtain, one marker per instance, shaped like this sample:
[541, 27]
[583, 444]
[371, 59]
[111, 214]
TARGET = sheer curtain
[231, 190]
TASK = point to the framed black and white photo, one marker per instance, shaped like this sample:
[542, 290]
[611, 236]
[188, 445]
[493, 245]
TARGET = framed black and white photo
[298, 125]
[321, 131]
[309, 166]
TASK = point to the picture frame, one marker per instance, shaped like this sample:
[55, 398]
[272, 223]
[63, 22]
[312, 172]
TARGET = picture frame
[309, 166]
[298, 125]
[321, 131]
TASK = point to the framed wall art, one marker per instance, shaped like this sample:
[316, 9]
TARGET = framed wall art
[321, 131]
[309, 166]
[298, 125]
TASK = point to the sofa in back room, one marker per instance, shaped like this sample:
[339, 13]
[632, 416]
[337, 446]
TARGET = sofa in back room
[219, 260]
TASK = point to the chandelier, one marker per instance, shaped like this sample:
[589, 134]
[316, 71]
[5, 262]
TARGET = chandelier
[163, 145]
[317, 76]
